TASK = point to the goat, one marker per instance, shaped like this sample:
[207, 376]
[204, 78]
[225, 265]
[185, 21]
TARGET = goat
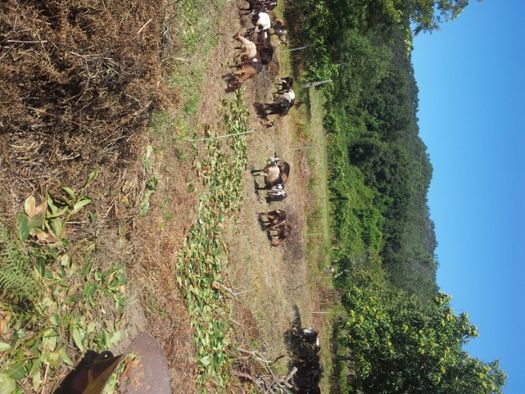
[276, 193]
[258, 5]
[248, 48]
[271, 219]
[275, 172]
[279, 29]
[285, 85]
[278, 234]
[262, 24]
[254, 6]
[312, 337]
[245, 70]
[281, 107]
[266, 54]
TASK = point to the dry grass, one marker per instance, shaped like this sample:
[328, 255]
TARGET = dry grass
[78, 80]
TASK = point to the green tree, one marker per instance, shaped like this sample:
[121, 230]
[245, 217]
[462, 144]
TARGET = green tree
[403, 346]
[428, 14]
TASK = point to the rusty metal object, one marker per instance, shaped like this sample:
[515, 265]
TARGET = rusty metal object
[149, 372]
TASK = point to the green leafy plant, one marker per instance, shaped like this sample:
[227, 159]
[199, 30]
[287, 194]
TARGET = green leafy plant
[200, 264]
[75, 305]
[48, 220]
[17, 277]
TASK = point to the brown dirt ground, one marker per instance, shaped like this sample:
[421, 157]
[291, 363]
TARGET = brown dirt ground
[270, 279]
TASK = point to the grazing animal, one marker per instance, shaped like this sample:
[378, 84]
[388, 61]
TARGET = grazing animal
[285, 85]
[276, 193]
[248, 48]
[266, 54]
[272, 219]
[302, 344]
[279, 233]
[262, 24]
[245, 70]
[258, 5]
[312, 337]
[254, 6]
[261, 21]
[276, 172]
[281, 107]
[279, 29]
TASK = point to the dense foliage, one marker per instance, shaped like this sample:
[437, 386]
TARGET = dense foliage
[403, 346]
[399, 328]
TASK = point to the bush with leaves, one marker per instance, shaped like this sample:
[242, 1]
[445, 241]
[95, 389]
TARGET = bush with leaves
[403, 346]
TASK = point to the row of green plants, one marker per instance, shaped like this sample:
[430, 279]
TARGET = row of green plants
[56, 300]
[200, 264]
[197, 36]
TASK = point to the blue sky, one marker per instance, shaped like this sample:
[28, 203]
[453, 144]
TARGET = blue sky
[471, 83]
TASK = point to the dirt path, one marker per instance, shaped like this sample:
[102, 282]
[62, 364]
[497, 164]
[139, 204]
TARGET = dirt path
[270, 279]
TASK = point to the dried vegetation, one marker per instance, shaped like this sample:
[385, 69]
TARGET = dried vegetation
[77, 80]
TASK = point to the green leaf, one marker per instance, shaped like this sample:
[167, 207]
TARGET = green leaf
[35, 374]
[56, 212]
[37, 380]
[205, 360]
[152, 183]
[115, 337]
[22, 225]
[7, 384]
[17, 371]
[70, 193]
[92, 176]
[50, 340]
[51, 205]
[57, 227]
[65, 357]
[54, 359]
[81, 204]
[4, 346]
[35, 223]
[78, 337]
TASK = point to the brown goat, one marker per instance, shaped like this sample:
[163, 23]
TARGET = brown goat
[279, 233]
[248, 48]
[272, 219]
[245, 70]
[276, 172]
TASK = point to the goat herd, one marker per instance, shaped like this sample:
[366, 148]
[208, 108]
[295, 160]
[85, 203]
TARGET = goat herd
[254, 52]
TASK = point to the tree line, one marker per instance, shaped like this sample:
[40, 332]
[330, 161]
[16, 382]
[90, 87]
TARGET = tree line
[399, 332]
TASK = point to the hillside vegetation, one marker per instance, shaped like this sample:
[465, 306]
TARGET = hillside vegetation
[399, 333]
